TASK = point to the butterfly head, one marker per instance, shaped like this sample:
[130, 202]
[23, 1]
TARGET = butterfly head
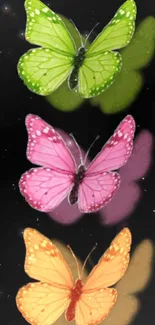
[78, 282]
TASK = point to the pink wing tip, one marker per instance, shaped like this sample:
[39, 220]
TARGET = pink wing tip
[29, 120]
[24, 189]
[95, 207]
[130, 119]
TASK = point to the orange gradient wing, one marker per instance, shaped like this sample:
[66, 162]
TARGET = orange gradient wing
[42, 303]
[97, 300]
[44, 261]
[94, 306]
[113, 264]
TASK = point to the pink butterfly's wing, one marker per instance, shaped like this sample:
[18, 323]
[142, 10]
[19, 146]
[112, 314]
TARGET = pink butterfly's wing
[140, 161]
[44, 188]
[97, 190]
[46, 147]
[117, 150]
[129, 193]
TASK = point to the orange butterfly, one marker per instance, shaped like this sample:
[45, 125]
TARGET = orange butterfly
[42, 303]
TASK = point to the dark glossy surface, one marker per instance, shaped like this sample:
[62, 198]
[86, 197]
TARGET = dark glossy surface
[16, 101]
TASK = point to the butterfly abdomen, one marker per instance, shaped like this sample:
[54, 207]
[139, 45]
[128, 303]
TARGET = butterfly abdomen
[75, 296]
[78, 60]
[78, 178]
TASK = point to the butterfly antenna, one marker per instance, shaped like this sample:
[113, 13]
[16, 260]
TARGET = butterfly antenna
[77, 32]
[87, 153]
[84, 264]
[90, 34]
[78, 270]
[78, 147]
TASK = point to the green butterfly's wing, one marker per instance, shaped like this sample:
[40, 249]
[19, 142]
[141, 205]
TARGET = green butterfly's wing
[46, 29]
[100, 65]
[130, 80]
[44, 70]
[97, 73]
[118, 32]
[121, 94]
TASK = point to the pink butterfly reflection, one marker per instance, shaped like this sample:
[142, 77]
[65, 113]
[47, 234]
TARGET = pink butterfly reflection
[129, 193]
[92, 187]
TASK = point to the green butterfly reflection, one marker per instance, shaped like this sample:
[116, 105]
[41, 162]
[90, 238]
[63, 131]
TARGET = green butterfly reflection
[90, 70]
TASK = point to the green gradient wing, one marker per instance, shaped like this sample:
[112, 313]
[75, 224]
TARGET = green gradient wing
[46, 29]
[97, 73]
[44, 70]
[118, 32]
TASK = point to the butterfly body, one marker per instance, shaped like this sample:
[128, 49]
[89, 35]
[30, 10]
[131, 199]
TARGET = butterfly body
[78, 178]
[74, 296]
[78, 61]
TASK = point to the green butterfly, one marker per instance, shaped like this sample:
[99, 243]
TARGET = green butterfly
[90, 71]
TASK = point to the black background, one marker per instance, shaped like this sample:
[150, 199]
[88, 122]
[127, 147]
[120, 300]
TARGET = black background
[16, 101]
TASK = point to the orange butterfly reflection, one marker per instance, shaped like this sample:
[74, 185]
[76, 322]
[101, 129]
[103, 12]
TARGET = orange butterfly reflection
[42, 303]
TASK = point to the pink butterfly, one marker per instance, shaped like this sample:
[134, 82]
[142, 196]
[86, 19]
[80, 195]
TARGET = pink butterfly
[129, 193]
[91, 187]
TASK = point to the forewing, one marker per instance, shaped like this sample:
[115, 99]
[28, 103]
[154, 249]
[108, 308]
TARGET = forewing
[117, 150]
[96, 191]
[118, 32]
[44, 261]
[113, 264]
[42, 303]
[44, 188]
[94, 306]
[97, 73]
[46, 147]
[44, 70]
[46, 29]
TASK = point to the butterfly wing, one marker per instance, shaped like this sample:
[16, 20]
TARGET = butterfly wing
[112, 265]
[117, 150]
[97, 73]
[118, 32]
[133, 286]
[44, 261]
[129, 193]
[94, 306]
[44, 70]
[96, 191]
[43, 302]
[44, 189]
[46, 147]
[100, 66]
[97, 300]
[46, 29]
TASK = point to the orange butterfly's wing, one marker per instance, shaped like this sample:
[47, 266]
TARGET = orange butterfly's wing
[94, 306]
[113, 264]
[44, 261]
[42, 303]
